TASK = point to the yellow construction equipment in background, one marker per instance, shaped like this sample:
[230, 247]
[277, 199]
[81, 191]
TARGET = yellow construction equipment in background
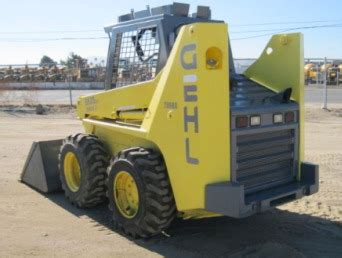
[178, 132]
[310, 73]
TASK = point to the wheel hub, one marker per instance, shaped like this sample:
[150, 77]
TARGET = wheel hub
[72, 172]
[126, 194]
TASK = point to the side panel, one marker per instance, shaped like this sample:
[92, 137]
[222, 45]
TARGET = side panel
[115, 137]
[106, 104]
[189, 113]
[280, 66]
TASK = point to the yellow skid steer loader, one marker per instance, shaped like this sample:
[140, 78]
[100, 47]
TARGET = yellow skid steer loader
[177, 132]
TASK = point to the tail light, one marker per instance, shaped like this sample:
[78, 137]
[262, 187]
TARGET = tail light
[289, 117]
[241, 122]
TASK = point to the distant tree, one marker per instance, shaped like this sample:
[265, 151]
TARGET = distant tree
[74, 61]
[47, 61]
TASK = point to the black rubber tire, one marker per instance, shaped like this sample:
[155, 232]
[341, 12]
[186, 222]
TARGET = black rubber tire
[157, 206]
[93, 160]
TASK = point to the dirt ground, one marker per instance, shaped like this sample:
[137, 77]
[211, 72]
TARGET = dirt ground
[32, 224]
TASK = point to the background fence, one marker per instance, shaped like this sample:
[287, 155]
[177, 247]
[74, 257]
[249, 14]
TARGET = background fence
[316, 71]
[31, 84]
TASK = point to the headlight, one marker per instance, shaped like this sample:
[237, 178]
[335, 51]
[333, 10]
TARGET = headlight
[255, 120]
[277, 118]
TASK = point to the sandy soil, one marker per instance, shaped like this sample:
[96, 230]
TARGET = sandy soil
[33, 224]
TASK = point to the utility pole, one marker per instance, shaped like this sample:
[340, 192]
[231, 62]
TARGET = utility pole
[318, 73]
[337, 76]
[69, 79]
[325, 90]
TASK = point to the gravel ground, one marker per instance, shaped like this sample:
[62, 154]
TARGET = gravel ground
[33, 224]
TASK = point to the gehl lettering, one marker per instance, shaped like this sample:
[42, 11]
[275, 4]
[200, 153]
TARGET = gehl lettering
[190, 99]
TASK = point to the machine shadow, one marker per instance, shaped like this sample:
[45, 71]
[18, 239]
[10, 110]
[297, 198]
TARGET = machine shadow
[275, 232]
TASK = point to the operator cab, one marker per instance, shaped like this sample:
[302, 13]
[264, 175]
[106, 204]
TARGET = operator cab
[141, 42]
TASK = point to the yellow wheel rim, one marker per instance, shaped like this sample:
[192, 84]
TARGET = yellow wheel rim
[72, 172]
[126, 194]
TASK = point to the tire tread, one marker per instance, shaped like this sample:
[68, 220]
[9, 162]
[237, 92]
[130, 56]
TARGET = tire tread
[160, 208]
[96, 159]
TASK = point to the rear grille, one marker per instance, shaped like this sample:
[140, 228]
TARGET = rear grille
[265, 159]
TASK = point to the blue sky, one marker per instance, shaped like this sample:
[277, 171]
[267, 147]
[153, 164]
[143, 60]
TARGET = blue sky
[20, 17]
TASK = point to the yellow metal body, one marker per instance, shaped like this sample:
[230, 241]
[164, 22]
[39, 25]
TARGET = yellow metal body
[307, 69]
[280, 66]
[72, 172]
[194, 154]
[325, 67]
[126, 194]
[185, 112]
[313, 74]
[310, 71]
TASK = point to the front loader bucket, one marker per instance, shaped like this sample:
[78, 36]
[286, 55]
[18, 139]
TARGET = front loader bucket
[41, 167]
